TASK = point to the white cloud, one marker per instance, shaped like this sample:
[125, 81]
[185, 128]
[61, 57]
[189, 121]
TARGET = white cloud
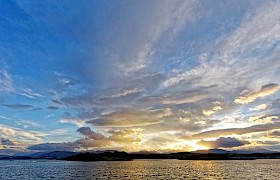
[262, 119]
[6, 82]
[27, 123]
[4, 117]
[166, 16]
[30, 94]
[240, 56]
[76, 121]
[266, 90]
[212, 111]
[193, 97]
[21, 136]
[259, 107]
[126, 92]
[131, 118]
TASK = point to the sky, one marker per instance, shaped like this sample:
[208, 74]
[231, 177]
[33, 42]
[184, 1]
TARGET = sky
[150, 75]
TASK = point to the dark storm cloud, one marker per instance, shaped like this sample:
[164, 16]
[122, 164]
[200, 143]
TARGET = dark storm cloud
[4, 141]
[274, 134]
[223, 142]
[234, 131]
[89, 134]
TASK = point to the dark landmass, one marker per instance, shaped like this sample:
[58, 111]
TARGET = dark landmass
[59, 155]
[111, 155]
[56, 155]
[104, 156]
[3, 156]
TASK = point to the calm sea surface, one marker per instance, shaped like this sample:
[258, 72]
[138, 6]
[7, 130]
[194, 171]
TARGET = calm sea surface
[140, 169]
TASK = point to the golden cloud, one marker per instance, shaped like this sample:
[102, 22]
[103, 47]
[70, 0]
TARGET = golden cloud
[266, 90]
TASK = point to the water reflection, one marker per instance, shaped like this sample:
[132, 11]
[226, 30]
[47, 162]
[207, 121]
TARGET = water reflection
[140, 169]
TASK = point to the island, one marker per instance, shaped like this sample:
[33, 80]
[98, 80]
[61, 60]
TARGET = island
[112, 155]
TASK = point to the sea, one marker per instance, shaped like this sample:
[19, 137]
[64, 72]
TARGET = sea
[140, 169]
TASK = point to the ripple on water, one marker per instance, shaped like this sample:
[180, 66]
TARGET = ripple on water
[162, 169]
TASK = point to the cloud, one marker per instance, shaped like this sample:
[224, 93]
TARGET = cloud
[212, 111]
[268, 142]
[232, 60]
[4, 117]
[4, 141]
[146, 64]
[53, 147]
[126, 136]
[89, 134]
[19, 106]
[52, 108]
[274, 134]
[92, 140]
[116, 138]
[164, 18]
[126, 92]
[263, 119]
[6, 82]
[30, 94]
[193, 97]
[189, 124]
[27, 123]
[92, 144]
[259, 107]
[266, 90]
[208, 112]
[165, 140]
[130, 118]
[21, 135]
[75, 121]
[65, 81]
[234, 131]
[118, 97]
[223, 142]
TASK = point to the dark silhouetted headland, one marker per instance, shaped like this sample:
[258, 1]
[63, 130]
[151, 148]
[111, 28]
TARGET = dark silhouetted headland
[211, 154]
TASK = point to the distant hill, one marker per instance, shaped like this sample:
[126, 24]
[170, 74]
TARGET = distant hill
[146, 152]
[23, 153]
[238, 151]
[58, 155]
[9, 152]
[101, 151]
[104, 156]
[54, 155]
[112, 155]
[211, 151]
[2, 156]
[253, 150]
[37, 154]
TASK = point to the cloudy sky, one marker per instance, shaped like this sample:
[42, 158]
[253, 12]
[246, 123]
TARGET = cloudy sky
[150, 75]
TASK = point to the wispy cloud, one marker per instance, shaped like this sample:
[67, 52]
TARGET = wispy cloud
[27, 123]
[131, 118]
[4, 117]
[259, 107]
[266, 90]
[140, 73]
[18, 106]
[21, 135]
[235, 131]
[30, 94]
[6, 82]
